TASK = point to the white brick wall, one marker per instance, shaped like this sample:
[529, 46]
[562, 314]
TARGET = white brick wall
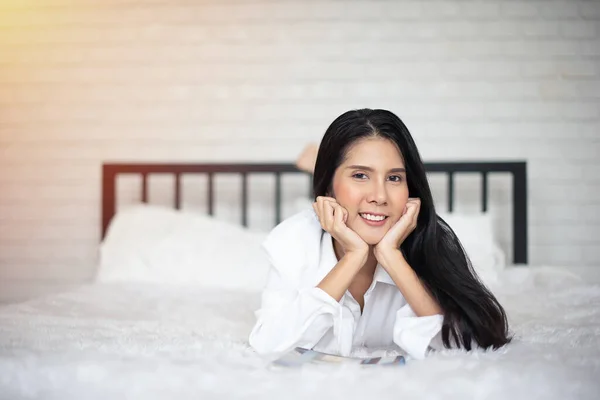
[90, 81]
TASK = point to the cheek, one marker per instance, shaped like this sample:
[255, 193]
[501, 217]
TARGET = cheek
[347, 196]
[403, 199]
[400, 203]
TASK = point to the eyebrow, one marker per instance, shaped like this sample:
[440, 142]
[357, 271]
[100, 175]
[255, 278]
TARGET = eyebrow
[371, 169]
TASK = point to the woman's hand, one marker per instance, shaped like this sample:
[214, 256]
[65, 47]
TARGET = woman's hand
[401, 229]
[333, 219]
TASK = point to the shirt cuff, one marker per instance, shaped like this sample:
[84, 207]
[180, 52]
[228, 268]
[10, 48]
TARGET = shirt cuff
[414, 334]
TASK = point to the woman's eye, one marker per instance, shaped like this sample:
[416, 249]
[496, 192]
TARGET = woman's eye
[359, 175]
[396, 178]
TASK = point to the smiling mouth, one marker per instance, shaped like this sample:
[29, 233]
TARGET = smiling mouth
[373, 217]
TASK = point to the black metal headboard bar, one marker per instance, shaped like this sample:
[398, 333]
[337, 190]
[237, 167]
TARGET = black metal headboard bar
[111, 170]
[518, 169]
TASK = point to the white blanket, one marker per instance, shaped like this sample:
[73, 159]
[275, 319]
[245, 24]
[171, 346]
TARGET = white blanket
[153, 341]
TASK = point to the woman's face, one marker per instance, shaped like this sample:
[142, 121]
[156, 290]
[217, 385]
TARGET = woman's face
[371, 185]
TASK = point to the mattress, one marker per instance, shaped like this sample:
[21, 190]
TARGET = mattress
[157, 341]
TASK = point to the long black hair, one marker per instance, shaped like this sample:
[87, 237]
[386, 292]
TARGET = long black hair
[471, 312]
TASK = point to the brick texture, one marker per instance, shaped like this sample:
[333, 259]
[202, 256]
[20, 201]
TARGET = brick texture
[152, 80]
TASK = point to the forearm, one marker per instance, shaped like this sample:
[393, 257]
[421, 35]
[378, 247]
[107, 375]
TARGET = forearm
[303, 319]
[338, 280]
[284, 323]
[415, 293]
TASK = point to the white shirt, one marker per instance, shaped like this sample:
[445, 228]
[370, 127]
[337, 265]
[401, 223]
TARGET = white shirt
[295, 313]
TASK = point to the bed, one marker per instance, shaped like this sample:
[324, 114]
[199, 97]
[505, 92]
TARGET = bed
[171, 308]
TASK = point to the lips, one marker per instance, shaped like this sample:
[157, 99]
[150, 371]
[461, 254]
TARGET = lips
[373, 219]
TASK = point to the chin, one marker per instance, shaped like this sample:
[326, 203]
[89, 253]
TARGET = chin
[373, 242]
[371, 239]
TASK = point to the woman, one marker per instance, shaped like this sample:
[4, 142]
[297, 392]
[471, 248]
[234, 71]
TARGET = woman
[372, 265]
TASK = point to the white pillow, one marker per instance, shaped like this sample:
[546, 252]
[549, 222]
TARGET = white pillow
[147, 243]
[476, 234]
[302, 203]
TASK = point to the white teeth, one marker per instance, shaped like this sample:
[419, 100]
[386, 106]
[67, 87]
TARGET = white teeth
[373, 217]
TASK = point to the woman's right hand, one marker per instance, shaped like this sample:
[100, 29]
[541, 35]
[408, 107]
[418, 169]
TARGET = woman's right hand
[333, 219]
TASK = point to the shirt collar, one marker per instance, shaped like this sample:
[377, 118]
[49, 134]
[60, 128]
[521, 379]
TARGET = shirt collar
[328, 260]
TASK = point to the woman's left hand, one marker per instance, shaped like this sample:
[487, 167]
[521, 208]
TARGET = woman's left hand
[401, 229]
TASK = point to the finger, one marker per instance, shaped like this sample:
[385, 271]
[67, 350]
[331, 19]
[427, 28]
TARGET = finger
[328, 215]
[413, 200]
[328, 198]
[321, 211]
[338, 213]
[316, 209]
[323, 199]
[409, 209]
[411, 205]
[332, 202]
[317, 205]
[341, 210]
[417, 203]
[418, 208]
[399, 229]
[320, 204]
[414, 207]
[412, 212]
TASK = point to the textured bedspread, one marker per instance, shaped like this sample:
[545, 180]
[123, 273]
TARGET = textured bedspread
[178, 342]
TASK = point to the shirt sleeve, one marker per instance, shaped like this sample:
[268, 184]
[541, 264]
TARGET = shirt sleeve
[415, 334]
[290, 317]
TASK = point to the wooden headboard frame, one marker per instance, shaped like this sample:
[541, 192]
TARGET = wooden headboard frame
[518, 169]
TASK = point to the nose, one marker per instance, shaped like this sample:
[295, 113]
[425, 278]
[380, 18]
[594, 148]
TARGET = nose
[377, 194]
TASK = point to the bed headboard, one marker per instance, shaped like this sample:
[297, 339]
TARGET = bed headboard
[517, 169]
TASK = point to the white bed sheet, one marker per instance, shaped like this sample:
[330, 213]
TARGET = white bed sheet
[156, 341]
